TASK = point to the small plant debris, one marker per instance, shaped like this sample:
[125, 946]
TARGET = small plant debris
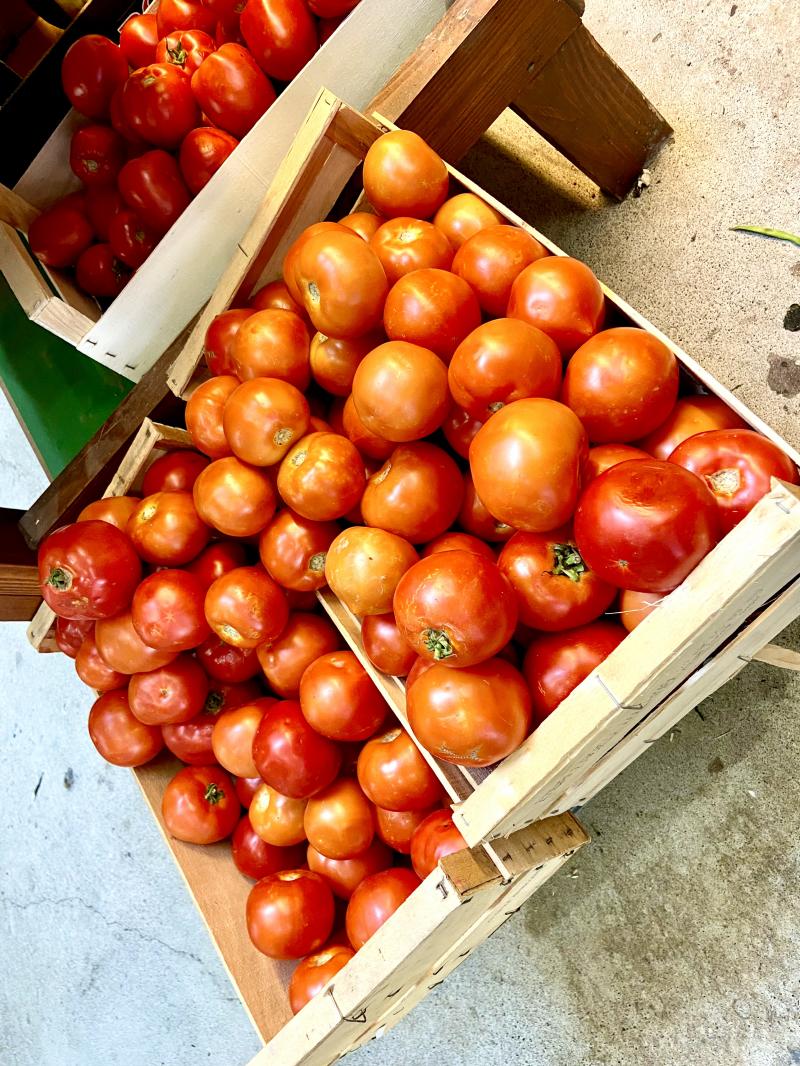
[776, 234]
[791, 320]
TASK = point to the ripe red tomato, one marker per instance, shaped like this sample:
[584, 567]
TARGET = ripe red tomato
[124, 650]
[334, 361]
[432, 308]
[70, 633]
[315, 972]
[364, 223]
[184, 15]
[232, 90]
[322, 477]
[385, 646]
[403, 176]
[276, 295]
[203, 414]
[369, 444]
[375, 900]
[232, 738]
[167, 611]
[339, 820]
[290, 914]
[561, 297]
[245, 607]
[174, 471]
[185, 49]
[277, 819]
[96, 155]
[152, 185]
[263, 418]
[448, 542]
[113, 509]
[88, 570]
[228, 31]
[246, 788]
[255, 858]
[526, 463]
[91, 70]
[234, 498]
[555, 589]
[291, 261]
[305, 639]
[502, 361]
[166, 529]
[491, 260]
[646, 524]
[475, 517]
[339, 699]
[119, 737]
[556, 663]
[397, 828]
[689, 416]
[138, 38]
[603, 456]
[281, 34]
[433, 839]
[464, 215]
[99, 273]
[192, 741]
[737, 465]
[103, 204]
[203, 151]
[475, 716]
[634, 607]
[456, 607]
[158, 105]
[199, 805]
[395, 776]
[59, 235]
[405, 244]
[291, 756]
[272, 344]
[416, 494]
[219, 338]
[223, 662]
[215, 560]
[329, 9]
[400, 391]
[130, 240]
[363, 567]
[93, 670]
[345, 875]
[293, 549]
[460, 430]
[225, 696]
[174, 693]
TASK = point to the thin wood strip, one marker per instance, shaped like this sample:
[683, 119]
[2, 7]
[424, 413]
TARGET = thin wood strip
[15, 210]
[21, 273]
[775, 655]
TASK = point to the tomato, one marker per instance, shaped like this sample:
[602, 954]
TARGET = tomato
[263, 418]
[690, 415]
[400, 391]
[634, 607]
[291, 756]
[464, 215]
[305, 639]
[369, 444]
[152, 185]
[185, 49]
[234, 498]
[646, 524]
[124, 650]
[174, 693]
[166, 529]
[228, 31]
[395, 776]
[228, 696]
[103, 204]
[475, 716]
[192, 741]
[363, 567]
[215, 560]
[491, 260]
[322, 477]
[119, 737]
[293, 549]
[255, 858]
[184, 15]
[203, 414]
[88, 570]
[290, 914]
[223, 662]
[375, 901]
[96, 155]
[339, 281]
[502, 361]
[281, 34]
[460, 430]
[403, 176]
[245, 607]
[475, 518]
[433, 839]
[138, 37]
[397, 828]
[99, 273]
[334, 361]
[315, 972]
[272, 344]
[203, 151]
[554, 587]
[561, 297]
[432, 308]
[232, 90]
[199, 805]
[167, 611]
[59, 235]
[456, 607]
[448, 542]
[385, 646]
[328, 9]
[278, 819]
[339, 820]
[291, 261]
[91, 70]
[130, 240]
[232, 738]
[219, 339]
[339, 699]
[526, 464]
[93, 670]
[737, 465]
[246, 788]
[345, 875]
[364, 223]
[174, 471]
[158, 104]
[603, 456]
[70, 633]
[275, 295]
[134, 144]
[115, 510]
[406, 244]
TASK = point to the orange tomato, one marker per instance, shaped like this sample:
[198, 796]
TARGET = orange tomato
[404, 176]
[464, 215]
[400, 391]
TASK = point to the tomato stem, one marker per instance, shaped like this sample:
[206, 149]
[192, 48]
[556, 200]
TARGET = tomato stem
[213, 704]
[568, 562]
[59, 579]
[213, 794]
[438, 643]
[316, 564]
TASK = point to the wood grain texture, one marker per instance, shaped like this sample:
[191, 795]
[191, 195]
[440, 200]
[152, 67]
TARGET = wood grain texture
[775, 655]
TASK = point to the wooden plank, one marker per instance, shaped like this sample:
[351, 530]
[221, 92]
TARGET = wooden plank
[775, 655]
[15, 210]
[21, 273]
[19, 576]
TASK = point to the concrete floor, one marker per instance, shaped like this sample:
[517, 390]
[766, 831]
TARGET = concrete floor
[672, 938]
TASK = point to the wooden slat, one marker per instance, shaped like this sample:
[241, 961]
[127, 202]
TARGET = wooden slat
[16, 211]
[21, 273]
[775, 655]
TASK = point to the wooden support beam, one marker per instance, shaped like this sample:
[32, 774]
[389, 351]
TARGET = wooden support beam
[19, 578]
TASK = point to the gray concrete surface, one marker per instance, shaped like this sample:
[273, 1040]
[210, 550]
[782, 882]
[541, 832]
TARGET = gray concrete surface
[673, 938]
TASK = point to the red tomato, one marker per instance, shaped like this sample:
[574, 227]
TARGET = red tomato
[375, 901]
[432, 308]
[315, 972]
[199, 805]
[475, 716]
[293, 549]
[272, 344]
[603, 456]
[99, 273]
[184, 15]
[364, 223]
[634, 607]
[464, 215]
[646, 524]
[397, 828]
[502, 361]
[526, 463]
[225, 696]
[166, 529]
[234, 498]
[134, 144]
[203, 151]
[291, 756]
[90, 72]
[364, 565]
[290, 914]
[226, 663]
[561, 297]
[255, 858]
[167, 611]
[93, 670]
[119, 737]
[385, 646]
[291, 261]
[395, 776]
[88, 570]
[245, 607]
[400, 391]
[185, 49]
[232, 739]
[232, 90]
[103, 204]
[276, 818]
[334, 361]
[158, 105]
[124, 650]
[460, 430]
[276, 295]
[174, 471]
[246, 788]
[322, 477]
[339, 699]
[59, 235]
[70, 633]
[219, 338]
[174, 693]
[475, 518]
[215, 560]
[555, 589]
[448, 542]
[152, 185]
[491, 260]
[281, 34]
[433, 839]
[345, 875]
[403, 176]
[339, 820]
[305, 639]
[455, 607]
[203, 414]
[228, 31]
[96, 155]
[556, 663]
[263, 418]
[369, 444]
[737, 465]
[329, 9]
[690, 415]
[130, 239]
[407, 244]
[138, 38]
[113, 509]
[192, 741]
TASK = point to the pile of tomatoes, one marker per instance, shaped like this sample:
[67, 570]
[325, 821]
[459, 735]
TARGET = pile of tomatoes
[165, 109]
[427, 414]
